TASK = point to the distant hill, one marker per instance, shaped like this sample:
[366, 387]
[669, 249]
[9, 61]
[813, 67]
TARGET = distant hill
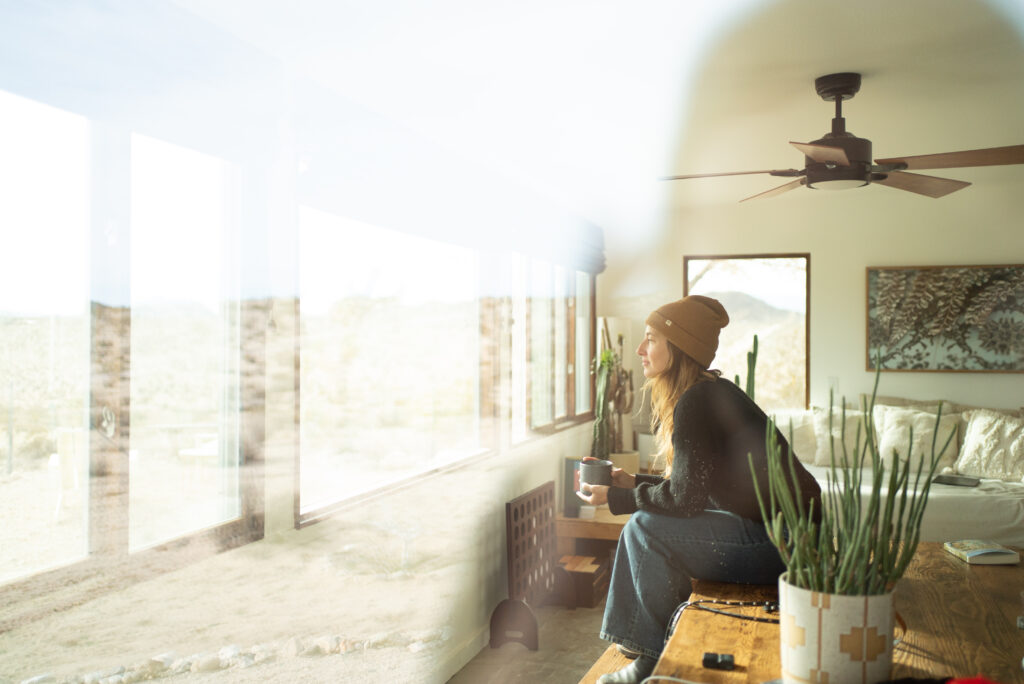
[751, 310]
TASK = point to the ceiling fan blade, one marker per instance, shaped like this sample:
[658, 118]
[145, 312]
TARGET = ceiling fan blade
[773, 172]
[932, 186]
[823, 153]
[990, 156]
[792, 185]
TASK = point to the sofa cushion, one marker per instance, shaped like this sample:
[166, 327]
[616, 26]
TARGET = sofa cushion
[798, 427]
[894, 425]
[993, 446]
[931, 406]
[853, 428]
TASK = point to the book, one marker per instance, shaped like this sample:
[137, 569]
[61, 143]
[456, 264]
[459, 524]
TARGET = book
[981, 552]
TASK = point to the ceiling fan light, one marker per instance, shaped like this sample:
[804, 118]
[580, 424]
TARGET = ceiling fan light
[828, 177]
[838, 184]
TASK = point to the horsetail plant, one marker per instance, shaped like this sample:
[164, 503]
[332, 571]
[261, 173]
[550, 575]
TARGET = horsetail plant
[858, 543]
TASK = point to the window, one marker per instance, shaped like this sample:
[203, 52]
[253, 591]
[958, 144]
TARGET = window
[389, 357]
[409, 361]
[44, 336]
[543, 351]
[561, 342]
[185, 304]
[583, 335]
[767, 295]
[121, 338]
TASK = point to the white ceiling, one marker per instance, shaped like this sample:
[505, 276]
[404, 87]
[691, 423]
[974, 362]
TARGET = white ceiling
[591, 101]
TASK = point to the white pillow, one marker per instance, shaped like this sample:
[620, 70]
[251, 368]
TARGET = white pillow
[823, 453]
[894, 425]
[882, 410]
[802, 442]
[993, 446]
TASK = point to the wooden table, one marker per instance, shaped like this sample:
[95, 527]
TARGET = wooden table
[603, 525]
[961, 621]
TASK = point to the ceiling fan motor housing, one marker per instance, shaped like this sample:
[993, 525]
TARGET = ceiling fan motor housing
[831, 176]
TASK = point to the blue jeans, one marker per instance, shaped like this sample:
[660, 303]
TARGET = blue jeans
[657, 555]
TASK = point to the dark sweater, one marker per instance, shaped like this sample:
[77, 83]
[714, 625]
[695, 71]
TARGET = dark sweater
[716, 426]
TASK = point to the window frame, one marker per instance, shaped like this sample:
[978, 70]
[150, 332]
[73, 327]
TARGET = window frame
[571, 416]
[806, 256]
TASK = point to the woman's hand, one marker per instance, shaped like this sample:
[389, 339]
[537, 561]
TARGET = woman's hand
[595, 495]
[620, 478]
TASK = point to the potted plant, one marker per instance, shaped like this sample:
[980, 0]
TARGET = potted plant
[836, 613]
[613, 398]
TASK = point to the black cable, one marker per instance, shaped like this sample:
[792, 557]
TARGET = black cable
[769, 607]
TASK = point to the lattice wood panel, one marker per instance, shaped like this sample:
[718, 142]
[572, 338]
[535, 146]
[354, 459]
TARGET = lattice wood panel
[530, 528]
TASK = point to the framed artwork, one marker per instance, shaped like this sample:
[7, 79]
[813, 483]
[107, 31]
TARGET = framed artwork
[767, 295]
[946, 318]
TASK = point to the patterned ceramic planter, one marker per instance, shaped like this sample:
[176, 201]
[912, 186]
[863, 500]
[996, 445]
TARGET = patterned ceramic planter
[828, 639]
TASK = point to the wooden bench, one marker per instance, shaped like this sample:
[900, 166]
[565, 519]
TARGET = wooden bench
[698, 632]
[610, 661]
[753, 645]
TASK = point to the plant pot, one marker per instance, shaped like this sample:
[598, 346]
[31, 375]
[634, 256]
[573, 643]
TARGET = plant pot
[627, 460]
[833, 638]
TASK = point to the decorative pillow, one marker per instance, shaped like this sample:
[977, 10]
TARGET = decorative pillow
[880, 412]
[823, 453]
[802, 440]
[894, 435]
[993, 446]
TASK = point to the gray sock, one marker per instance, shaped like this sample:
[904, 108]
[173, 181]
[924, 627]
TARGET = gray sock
[634, 673]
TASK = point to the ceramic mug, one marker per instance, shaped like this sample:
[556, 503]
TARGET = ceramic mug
[597, 472]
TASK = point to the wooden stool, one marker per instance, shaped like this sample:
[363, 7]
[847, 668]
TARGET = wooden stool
[590, 578]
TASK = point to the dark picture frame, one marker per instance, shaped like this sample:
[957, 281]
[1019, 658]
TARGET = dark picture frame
[966, 318]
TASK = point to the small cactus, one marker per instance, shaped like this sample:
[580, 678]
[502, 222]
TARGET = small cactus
[751, 364]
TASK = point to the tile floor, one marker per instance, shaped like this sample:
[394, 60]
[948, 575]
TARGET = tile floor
[569, 645]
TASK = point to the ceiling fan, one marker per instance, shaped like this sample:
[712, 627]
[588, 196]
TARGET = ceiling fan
[840, 160]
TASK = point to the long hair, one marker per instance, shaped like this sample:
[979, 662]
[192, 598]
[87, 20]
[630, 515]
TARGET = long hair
[665, 389]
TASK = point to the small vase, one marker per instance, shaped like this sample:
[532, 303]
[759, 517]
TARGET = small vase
[832, 638]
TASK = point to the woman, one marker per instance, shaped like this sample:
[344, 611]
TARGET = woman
[702, 519]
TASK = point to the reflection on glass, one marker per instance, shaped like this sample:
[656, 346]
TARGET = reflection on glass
[517, 288]
[767, 297]
[44, 337]
[184, 445]
[389, 356]
[561, 342]
[541, 351]
[583, 350]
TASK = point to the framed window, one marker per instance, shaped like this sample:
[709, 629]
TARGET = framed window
[767, 295]
[562, 327]
[124, 338]
[582, 348]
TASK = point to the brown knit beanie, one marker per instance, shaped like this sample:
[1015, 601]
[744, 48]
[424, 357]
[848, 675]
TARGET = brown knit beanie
[692, 324]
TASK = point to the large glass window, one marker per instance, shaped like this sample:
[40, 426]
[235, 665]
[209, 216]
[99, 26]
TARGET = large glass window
[561, 324]
[44, 336]
[767, 296]
[390, 356]
[584, 351]
[542, 344]
[184, 437]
